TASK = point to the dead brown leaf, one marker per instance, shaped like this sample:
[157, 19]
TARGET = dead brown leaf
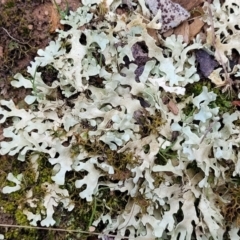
[153, 33]
[172, 14]
[195, 27]
[168, 33]
[1, 52]
[1, 134]
[172, 106]
[183, 29]
[189, 31]
[189, 5]
[54, 20]
[236, 103]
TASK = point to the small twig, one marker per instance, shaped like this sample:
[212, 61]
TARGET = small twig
[62, 13]
[131, 214]
[13, 37]
[208, 130]
[66, 230]
[34, 83]
[49, 229]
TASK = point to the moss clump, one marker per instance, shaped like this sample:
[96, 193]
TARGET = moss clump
[21, 233]
[223, 100]
[164, 155]
[150, 124]
[20, 217]
[121, 162]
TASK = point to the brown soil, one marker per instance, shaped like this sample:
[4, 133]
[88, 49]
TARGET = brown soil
[25, 27]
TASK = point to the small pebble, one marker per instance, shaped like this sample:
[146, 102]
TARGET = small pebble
[30, 26]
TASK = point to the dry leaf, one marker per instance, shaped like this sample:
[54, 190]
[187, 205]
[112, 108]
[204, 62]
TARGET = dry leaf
[236, 103]
[195, 27]
[183, 29]
[168, 33]
[1, 51]
[216, 78]
[1, 134]
[153, 34]
[55, 20]
[172, 14]
[173, 107]
[189, 5]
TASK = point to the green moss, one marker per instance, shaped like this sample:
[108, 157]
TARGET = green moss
[196, 88]
[224, 103]
[150, 124]
[189, 110]
[11, 202]
[223, 100]
[9, 4]
[21, 233]
[20, 217]
[8, 206]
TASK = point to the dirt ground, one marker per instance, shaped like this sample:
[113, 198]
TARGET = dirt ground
[25, 27]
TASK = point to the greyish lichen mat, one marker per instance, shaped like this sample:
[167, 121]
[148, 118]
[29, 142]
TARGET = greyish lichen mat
[103, 121]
